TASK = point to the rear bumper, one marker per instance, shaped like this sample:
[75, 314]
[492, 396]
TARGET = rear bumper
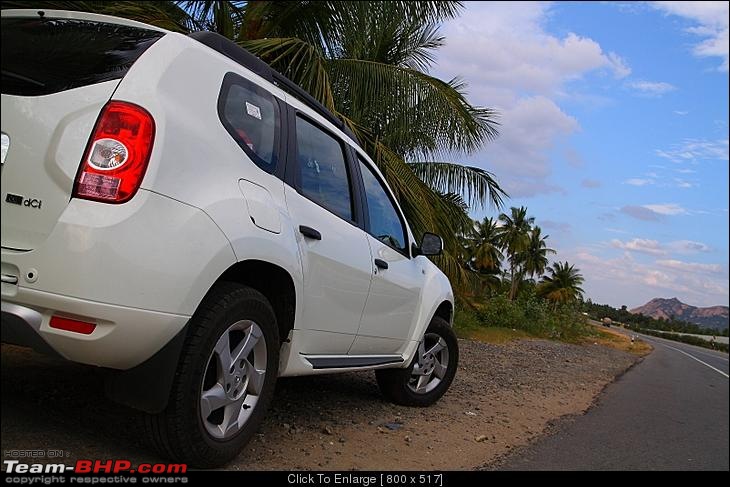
[137, 270]
[122, 339]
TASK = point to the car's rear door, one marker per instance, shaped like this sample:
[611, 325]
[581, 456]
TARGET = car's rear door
[57, 74]
[337, 267]
[395, 292]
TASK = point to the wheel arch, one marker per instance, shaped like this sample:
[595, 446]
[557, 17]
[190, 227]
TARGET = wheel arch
[445, 310]
[274, 282]
[147, 386]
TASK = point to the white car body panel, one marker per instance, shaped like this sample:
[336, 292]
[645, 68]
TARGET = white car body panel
[337, 271]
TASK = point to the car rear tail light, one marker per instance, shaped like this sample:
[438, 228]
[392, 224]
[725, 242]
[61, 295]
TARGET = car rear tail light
[116, 157]
[72, 325]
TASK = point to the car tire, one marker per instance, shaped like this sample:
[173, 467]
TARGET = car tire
[212, 413]
[424, 381]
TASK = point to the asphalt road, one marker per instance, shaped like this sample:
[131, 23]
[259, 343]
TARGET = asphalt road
[670, 412]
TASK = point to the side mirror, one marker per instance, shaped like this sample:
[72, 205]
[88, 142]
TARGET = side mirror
[431, 244]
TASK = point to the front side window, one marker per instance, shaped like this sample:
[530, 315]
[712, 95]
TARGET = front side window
[323, 176]
[385, 223]
[251, 115]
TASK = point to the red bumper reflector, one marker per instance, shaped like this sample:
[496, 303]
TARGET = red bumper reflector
[72, 325]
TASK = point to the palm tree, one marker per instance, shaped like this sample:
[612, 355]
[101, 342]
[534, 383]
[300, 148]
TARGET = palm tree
[482, 253]
[534, 260]
[484, 247]
[562, 285]
[515, 238]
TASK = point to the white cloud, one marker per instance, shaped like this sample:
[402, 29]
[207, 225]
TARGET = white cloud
[618, 65]
[683, 183]
[711, 24]
[504, 44]
[623, 280]
[514, 65]
[640, 213]
[667, 209]
[680, 113]
[693, 150]
[646, 246]
[639, 181]
[654, 247]
[688, 247]
[691, 267]
[520, 156]
[651, 88]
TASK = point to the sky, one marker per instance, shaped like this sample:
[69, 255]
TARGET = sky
[614, 135]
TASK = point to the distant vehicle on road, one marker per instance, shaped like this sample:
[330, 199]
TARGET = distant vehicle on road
[606, 322]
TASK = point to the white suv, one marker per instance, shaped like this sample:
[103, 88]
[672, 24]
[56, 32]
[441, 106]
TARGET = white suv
[179, 213]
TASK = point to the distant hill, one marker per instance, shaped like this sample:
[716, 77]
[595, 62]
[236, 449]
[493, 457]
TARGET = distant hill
[716, 317]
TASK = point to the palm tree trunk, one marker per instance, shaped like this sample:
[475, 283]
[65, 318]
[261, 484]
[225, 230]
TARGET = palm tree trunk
[513, 284]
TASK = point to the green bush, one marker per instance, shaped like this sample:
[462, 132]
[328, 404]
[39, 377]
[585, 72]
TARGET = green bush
[501, 312]
[465, 319]
[533, 315]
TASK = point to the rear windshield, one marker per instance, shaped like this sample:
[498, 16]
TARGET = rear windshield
[44, 56]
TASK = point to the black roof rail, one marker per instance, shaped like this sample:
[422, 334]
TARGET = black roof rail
[241, 56]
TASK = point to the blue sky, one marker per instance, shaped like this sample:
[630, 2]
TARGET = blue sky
[614, 135]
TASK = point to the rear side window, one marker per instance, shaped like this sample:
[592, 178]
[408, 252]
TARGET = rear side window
[251, 115]
[323, 175]
[44, 56]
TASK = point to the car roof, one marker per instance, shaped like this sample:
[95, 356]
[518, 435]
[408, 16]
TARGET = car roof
[73, 14]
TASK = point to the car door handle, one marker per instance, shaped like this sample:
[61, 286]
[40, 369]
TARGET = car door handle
[310, 232]
[381, 264]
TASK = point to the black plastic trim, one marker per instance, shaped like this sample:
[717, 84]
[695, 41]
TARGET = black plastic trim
[310, 232]
[147, 386]
[381, 264]
[350, 362]
[17, 331]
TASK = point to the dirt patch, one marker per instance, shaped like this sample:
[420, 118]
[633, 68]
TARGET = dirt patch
[612, 338]
[503, 397]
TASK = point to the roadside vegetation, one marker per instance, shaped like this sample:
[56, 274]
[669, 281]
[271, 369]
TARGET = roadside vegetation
[516, 287]
[700, 342]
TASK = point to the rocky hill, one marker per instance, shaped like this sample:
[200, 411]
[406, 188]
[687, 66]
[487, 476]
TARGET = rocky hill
[712, 317]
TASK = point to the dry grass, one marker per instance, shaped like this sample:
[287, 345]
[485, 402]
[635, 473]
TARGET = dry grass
[491, 334]
[614, 339]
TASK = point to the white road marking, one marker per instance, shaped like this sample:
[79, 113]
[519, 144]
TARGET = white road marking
[662, 340]
[713, 356]
[700, 361]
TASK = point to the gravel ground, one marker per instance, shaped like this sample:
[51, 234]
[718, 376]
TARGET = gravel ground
[503, 397]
